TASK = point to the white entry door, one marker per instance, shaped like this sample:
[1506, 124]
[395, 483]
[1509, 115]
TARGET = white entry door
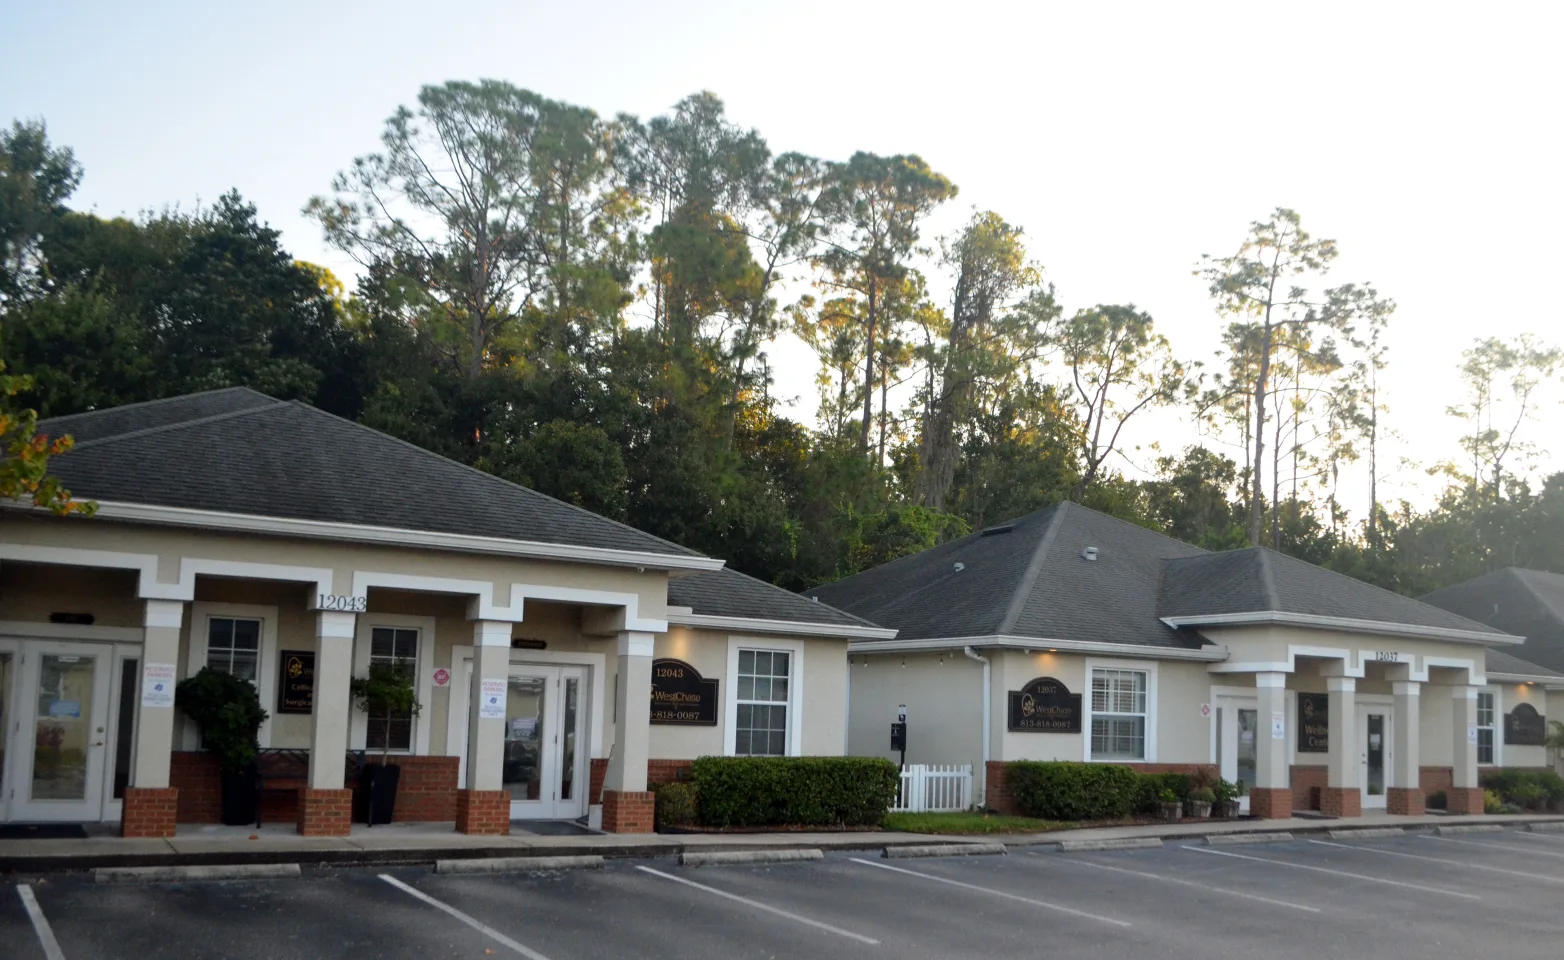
[1238, 725]
[1374, 741]
[545, 729]
[58, 731]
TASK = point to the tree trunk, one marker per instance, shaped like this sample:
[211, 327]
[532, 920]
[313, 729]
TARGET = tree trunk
[868, 369]
[1257, 488]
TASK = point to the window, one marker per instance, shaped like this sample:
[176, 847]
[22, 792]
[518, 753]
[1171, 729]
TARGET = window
[233, 645]
[760, 729]
[1118, 714]
[398, 649]
[1486, 711]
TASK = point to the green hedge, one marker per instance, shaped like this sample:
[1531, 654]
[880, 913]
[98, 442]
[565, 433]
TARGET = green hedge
[678, 805]
[1527, 789]
[794, 791]
[1077, 791]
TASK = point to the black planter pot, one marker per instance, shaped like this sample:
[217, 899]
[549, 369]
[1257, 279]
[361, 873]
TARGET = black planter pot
[379, 792]
[239, 798]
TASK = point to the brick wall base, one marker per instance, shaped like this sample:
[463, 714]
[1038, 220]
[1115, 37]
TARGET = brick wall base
[1464, 800]
[325, 813]
[1404, 801]
[1270, 803]
[1341, 801]
[1434, 780]
[149, 812]
[628, 812]
[1307, 781]
[996, 796]
[195, 775]
[485, 812]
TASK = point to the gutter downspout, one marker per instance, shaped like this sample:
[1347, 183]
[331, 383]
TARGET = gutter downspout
[981, 788]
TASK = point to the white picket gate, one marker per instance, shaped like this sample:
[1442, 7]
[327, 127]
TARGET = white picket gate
[930, 788]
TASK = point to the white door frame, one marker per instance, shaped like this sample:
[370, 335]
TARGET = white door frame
[90, 808]
[1380, 705]
[1228, 706]
[112, 807]
[10, 734]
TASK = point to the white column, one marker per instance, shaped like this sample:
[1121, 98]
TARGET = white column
[159, 666]
[1342, 760]
[633, 710]
[1463, 758]
[1271, 739]
[1406, 766]
[486, 734]
[331, 704]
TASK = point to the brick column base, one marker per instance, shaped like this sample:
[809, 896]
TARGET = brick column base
[325, 812]
[1404, 801]
[149, 812]
[1270, 803]
[1464, 800]
[484, 812]
[628, 812]
[1341, 801]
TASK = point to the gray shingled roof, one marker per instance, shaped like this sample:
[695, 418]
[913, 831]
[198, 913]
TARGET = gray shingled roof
[1525, 603]
[238, 451]
[1258, 580]
[1026, 578]
[728, 593]
[1501, 662]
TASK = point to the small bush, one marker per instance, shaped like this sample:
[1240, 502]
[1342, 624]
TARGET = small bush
[1152, 785]
[678, 805]
[1202, 795]
[1492, 803]
[1528, 789]
[794, 791]
[1077, 791]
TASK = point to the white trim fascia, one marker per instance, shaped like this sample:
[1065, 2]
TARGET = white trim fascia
[791, 627]
[24, 630]
[1209, 653]
[1344, 624]
[795, 691]
[1549, 683]
[396, 536]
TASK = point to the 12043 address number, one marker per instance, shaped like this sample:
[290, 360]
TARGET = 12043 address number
[343, 604]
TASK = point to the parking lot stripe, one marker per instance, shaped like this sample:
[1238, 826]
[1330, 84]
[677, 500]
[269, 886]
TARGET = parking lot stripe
[473, 922]
[1513, 848]
[1454, 863]
[51, 946]
[1190, 883]
[762, 906]
[1338, 873]
[998, 893]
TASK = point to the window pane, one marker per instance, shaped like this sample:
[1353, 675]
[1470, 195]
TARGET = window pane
[247, 634]
[243, 666]
[746, 688]
[778, 745]
[407, 644]
[747, 661]
[779, 664]
[779, 689]
[1485, 745]
[762, 688]
[382, 640]
[219, 632]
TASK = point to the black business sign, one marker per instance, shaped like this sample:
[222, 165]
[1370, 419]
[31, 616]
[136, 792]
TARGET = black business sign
[296, 693]
[1314, 723]
[1525, 727]
[681, 696]
[1045, 706]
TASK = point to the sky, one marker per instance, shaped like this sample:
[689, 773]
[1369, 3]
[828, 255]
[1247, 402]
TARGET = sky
[1126, 139]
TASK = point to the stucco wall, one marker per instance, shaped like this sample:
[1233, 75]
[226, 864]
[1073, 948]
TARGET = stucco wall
[30, 593]
[943, 707]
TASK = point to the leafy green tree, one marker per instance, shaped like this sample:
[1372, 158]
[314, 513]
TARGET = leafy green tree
[35, 181]
[24, 469]
[1501, 380]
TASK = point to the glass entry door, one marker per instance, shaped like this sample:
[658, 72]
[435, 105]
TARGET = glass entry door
[1373, 753]
[1238, 725]
[545, 727]
[58, 732]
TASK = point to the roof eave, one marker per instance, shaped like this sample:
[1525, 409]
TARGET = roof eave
[394, 537]
[1552, 683]
[1207, 654]
[1344, 624]
[797, 627]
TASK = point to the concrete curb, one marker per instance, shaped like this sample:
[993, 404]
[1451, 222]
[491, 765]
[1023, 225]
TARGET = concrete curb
[516, 864]
[944, 850]
[719, 857]
[1551, 826]
[1458, 828]
[1128, 843]
[1366, 833]
[1234, 839]
[254, 871]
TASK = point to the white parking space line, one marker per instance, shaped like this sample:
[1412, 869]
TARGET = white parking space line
[1190, 883]
[1454, 863]
[51, 946]
[1513, 848]
[997, 893]
[1555, 837]
[1337, 873]
[473, 922]
[763, 906]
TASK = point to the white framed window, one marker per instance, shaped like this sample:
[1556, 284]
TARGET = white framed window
[1487, 727]
[762, 712]
[237, 638]
[406, 643]
[1121, 709]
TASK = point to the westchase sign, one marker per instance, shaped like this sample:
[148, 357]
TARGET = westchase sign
[1045, 706]
[681, 696]
[1314, 723]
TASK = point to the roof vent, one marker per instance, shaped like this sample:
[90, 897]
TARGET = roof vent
[960, 566]
[1090, 553]
[996, 531]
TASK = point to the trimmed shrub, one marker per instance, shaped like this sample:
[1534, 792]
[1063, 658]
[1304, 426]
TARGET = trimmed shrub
[1078, 791]
[1152, 785]
[1528, 789]
[678, 805]
[794, 791]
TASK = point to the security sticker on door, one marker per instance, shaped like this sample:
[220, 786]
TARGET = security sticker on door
[492, 706]
[1278, 726]
[157, 685]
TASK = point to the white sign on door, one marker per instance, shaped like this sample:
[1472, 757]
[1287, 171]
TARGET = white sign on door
[492, 706]
[157, 685]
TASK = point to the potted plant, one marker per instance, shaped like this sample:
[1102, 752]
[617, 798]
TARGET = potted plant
[387, 691]
[1169, 809]
[1227, 794]
[1200, 801]
[228, 712]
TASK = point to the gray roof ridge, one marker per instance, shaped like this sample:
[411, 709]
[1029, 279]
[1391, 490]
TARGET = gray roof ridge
[1034, 568]
[1268, 579]
[1486, 628]
[178, 425]
[158, 402]
[798, 596]
[1143, 529]
[1531, 588]
[483, 473]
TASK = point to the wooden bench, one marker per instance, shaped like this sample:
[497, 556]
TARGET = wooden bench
[287, 770]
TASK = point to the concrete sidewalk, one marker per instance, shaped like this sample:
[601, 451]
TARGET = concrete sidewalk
[428, 842]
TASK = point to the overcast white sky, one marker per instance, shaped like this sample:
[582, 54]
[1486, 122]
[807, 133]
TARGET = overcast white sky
[1127, 139]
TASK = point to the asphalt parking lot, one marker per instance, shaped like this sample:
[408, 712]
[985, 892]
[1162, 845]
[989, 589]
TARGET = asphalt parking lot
[1424, 896]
